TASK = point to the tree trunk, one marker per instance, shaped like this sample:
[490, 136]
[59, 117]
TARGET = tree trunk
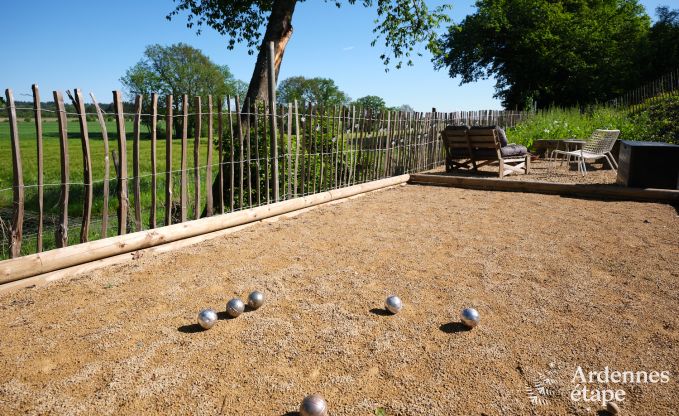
[278, 30]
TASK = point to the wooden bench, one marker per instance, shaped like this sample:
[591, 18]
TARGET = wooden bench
[470, 148]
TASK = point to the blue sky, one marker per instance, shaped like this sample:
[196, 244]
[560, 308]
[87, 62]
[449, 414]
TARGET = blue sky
[89, 44]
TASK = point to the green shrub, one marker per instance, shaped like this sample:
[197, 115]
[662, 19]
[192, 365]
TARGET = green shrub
[658, 120]
[571, 123]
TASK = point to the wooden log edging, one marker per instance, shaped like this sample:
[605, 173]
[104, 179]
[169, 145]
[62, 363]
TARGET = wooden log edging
[552, 188]
[23, 267]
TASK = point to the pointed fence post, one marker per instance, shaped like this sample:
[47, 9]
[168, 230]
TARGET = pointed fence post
[272, 116]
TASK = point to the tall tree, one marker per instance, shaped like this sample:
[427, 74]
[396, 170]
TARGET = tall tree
[663, 39]
[371, 102]
[178, 69]
[318, 91]
[549, 52]
[401, 25]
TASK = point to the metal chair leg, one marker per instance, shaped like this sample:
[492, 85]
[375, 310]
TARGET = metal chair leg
[609, 162]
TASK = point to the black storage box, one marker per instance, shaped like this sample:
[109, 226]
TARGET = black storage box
[648, 165]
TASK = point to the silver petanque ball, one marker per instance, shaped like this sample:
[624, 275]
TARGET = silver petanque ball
[313, 405]
[235, 307]
[256, 299]
[207, 318]
[393, 304]
[470, 317]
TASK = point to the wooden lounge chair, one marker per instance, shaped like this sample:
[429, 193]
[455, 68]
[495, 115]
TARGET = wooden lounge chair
[470, 148]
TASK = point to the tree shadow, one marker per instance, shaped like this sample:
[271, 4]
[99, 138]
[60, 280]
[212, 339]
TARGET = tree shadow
[190, 329]
[454, 327]
[380, 312]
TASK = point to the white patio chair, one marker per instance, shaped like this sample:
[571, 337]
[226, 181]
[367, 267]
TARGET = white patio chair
[597, 147]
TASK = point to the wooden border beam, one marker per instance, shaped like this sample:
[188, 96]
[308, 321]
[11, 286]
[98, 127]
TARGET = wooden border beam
[35, 264]
[552, 188]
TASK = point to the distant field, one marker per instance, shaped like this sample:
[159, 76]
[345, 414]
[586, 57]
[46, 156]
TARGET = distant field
[52, 174]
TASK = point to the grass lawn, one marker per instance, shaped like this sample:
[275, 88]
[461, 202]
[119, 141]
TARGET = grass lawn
[52, 175]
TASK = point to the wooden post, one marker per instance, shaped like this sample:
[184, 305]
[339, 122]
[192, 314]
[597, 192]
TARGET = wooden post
[107, 167]
[240, 161]
[289, 154]
[122, 163]
[280, 142]
[38, 137]
[377, 150]
[61, 233]
[184, 192]
[296, 147]
[135, 163]
[302, 141]
[258, 162]
[310, 143]
[196, 156]
[87, 165]
[267, 183]
[335, 144]
[168, 159]
[220, 135]
[352, 145]
[387, 156]
[248, 149]
[208, 168]
[320, 149]
[342, 150]
[361, 141]
[232, 184]
[154, 167]
[273, 130]
[17, 179]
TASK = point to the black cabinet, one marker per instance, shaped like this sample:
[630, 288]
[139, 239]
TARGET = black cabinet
[648, 165]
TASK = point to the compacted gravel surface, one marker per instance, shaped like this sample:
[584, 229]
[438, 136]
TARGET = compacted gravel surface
[561, 284]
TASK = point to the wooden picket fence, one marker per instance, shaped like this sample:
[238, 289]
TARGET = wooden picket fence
[252, 156]
[667, 84]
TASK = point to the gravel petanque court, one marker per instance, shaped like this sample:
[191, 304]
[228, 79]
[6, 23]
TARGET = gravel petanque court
[561, 284]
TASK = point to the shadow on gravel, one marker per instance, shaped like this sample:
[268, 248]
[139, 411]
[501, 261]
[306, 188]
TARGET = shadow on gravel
[380, 312]
[224, 316]
[454, 327]
[190, 329]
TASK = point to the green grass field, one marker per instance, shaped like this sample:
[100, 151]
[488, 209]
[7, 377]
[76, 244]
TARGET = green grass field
[52, 174]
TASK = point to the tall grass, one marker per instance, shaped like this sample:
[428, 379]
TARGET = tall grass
[572, 123]
[656, 119]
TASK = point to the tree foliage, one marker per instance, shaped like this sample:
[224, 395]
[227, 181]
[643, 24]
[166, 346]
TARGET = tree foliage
[549, 52]
[401, 24]
[178, 69]
[663, 49]
[318, 91]
[372, 103]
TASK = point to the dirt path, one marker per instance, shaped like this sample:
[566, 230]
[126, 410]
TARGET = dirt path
[559, 282]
